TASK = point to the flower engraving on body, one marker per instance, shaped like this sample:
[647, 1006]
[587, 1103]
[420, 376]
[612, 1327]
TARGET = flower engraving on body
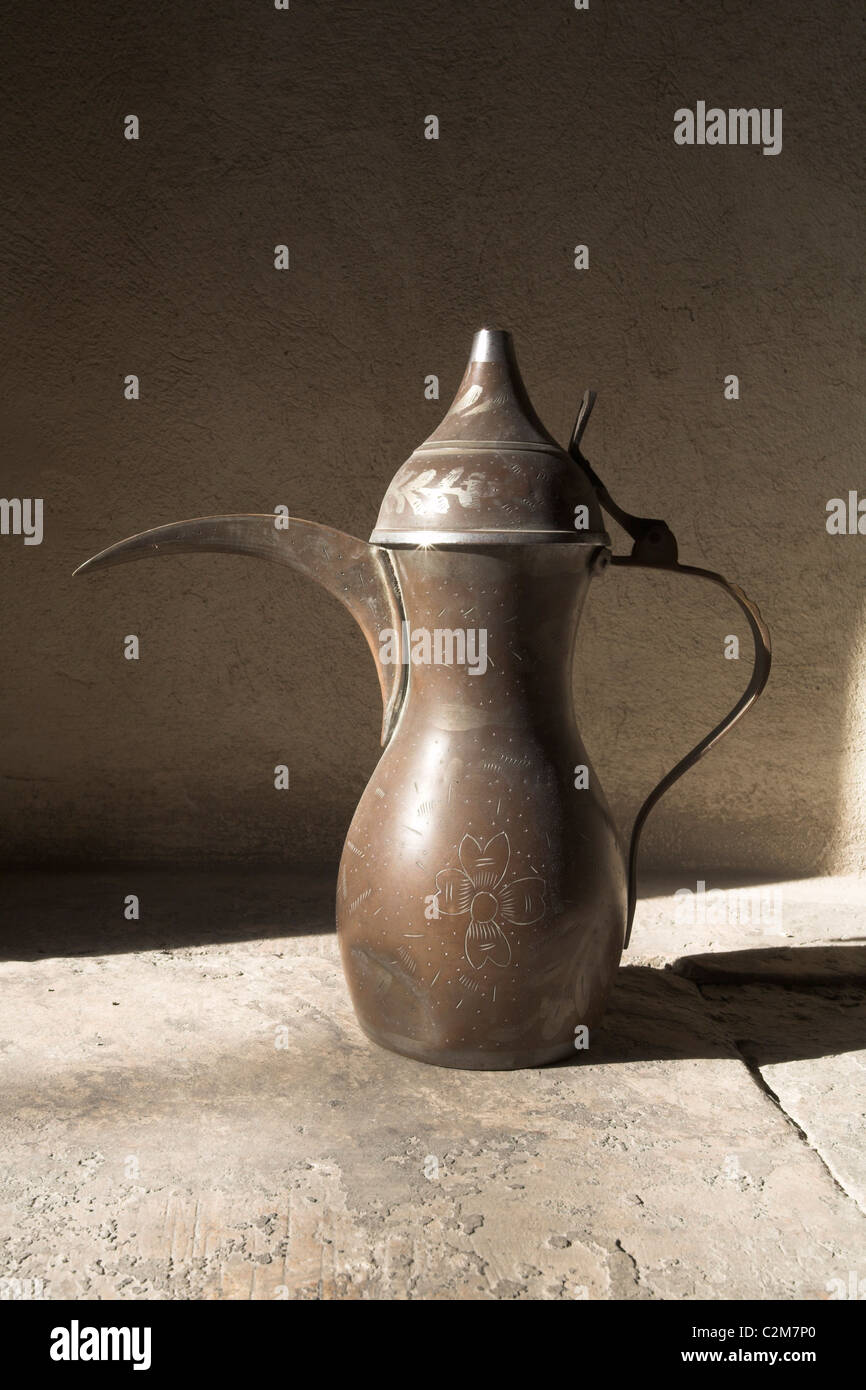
[478, 890]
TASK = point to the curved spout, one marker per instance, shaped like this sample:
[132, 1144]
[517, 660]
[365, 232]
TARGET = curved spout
[356, 573]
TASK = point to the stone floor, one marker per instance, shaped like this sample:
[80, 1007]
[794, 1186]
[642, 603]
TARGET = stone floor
[189, 1110]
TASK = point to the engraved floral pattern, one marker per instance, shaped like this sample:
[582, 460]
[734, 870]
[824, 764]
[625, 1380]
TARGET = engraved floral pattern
[478, 891]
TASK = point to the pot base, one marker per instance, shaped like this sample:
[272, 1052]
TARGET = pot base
[465, 1059]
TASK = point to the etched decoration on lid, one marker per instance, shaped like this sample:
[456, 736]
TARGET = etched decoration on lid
[490, 473]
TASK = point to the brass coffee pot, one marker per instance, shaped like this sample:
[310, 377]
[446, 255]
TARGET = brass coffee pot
[484, 899]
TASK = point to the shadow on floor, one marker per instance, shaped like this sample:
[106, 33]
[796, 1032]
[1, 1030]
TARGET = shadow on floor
[69, 912]
[762, 1006]
[83, 914]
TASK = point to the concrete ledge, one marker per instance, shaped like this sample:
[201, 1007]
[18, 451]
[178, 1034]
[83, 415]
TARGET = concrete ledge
[189, 1110]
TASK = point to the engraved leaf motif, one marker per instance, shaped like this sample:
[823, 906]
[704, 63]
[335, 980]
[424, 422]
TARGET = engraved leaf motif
[426, 496]
[468, 398]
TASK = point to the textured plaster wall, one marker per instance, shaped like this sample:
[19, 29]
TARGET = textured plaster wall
[305, 387]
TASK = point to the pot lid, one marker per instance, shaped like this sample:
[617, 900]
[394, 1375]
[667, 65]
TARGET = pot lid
[490, 473]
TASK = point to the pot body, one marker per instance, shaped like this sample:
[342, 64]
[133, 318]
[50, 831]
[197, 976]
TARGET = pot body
[481, 898]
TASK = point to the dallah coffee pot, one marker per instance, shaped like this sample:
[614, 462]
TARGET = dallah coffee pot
[483, 898]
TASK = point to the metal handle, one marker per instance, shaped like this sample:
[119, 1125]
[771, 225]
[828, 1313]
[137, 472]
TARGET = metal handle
[655, 547]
